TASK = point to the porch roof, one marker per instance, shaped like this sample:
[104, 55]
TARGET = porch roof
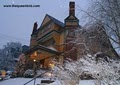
[42, 48]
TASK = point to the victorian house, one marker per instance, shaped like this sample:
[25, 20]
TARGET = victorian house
[52, 40]
[48, 41]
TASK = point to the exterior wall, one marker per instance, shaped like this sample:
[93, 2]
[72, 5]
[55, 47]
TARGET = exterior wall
[71, 24]
[42, 33]
[46, 20]
[44, 56]
[62, 42]
[70, 46]
[33, 41]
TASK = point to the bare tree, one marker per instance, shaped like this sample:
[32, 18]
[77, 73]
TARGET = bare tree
[7, 55]
[107, 13]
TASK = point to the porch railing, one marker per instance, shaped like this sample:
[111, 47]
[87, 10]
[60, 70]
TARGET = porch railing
[35, 78]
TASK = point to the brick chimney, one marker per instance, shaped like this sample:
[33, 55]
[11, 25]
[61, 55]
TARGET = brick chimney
[33, 41]
[34, 27]
[72, 8]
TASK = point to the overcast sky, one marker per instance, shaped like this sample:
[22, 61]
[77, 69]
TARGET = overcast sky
[16, 23]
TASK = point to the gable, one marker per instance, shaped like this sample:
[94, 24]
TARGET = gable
[49, 18]
[71, 18]
[46, 19]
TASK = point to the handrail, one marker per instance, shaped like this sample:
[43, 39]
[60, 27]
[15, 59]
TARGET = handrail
[35, 78]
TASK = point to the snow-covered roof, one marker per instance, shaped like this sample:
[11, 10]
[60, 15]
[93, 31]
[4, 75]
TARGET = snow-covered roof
[52, 48]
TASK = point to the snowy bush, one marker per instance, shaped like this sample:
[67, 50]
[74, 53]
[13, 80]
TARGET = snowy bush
[106, 72]
[29, 73]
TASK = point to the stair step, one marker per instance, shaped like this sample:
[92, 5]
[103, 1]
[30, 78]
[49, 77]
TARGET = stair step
[47, 81]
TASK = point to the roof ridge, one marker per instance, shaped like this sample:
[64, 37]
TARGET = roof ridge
[55, 20]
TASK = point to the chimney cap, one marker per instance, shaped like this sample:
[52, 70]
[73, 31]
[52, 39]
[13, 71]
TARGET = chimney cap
[35, 27]
[72, 2]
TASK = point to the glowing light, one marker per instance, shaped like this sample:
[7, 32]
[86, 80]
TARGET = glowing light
[51, 65]
[35, 53]
[34, 60]
[49, 74]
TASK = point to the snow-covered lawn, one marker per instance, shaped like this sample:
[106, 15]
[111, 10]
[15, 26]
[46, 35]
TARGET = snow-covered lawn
[87, 82]
[21, 81]
[17, 81]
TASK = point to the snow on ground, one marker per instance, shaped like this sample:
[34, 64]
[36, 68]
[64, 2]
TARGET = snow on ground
[87, 82]
[18, 81]
[22, 81]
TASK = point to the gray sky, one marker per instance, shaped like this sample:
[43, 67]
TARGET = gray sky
[16, 23]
